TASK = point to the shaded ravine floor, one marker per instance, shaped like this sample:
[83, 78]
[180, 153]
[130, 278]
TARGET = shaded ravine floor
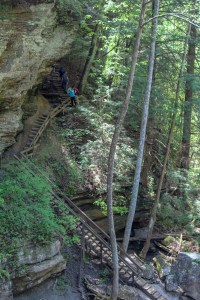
[51, 289]
[65, 285]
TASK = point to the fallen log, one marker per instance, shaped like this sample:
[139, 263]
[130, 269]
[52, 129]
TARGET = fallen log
[156, 236]
[103, 291]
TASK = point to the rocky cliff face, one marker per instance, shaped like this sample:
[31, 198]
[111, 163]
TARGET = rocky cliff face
[31, 40]
[33, 265]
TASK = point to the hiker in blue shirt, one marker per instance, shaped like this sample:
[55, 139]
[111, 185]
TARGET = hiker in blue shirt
[72, 95]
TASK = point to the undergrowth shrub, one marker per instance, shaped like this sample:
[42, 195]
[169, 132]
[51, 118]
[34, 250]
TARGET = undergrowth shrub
[180, 206]
[26, 213]
[58, 163]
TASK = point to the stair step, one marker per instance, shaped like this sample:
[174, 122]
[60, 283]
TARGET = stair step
[40, 120]
[31, 135]
[37, 126]
[34, 129]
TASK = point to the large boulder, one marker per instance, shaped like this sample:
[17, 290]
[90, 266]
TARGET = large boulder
[185, 272]
[34, 264]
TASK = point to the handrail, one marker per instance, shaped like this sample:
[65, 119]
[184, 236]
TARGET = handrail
[50, 116]
[81, 213]
[95, 239]
[84, 223]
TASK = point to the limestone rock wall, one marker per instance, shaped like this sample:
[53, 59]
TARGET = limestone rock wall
[33, 265]
[39, 263]
[31, 40]
[6, 289]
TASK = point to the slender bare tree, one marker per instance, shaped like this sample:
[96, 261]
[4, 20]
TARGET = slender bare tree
[115, 286]
[136, 181]
[170, 136]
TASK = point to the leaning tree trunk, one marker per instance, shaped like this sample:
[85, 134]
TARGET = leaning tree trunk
[132, 206]
[152, 220]
[185, 156]
[113, 146]
[90, 58]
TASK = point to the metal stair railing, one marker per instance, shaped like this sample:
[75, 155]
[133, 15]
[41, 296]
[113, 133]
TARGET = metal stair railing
[95, 229]
[85, 223]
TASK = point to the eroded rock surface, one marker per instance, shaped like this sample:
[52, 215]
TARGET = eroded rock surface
[36, 264]
[31, 39]
[185, 272]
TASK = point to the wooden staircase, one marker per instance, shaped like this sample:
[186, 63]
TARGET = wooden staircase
[59, 101]
[94, 240]
[56, 94]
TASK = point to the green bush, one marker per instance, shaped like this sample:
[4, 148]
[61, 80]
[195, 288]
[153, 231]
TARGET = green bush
[26, 212]
[184, 198]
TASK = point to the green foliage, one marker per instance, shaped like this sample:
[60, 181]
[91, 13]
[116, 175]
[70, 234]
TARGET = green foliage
[61, 286]
[77, 134]
[185, 197]
[102, 205]
[5, 7]
[94, 153]
[197, 261]
[119, 206]
[105, 276]
[4, 274]
[59, 164]
[69, 8]
[26, 212]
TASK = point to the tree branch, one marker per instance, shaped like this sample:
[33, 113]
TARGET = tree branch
[172, 15]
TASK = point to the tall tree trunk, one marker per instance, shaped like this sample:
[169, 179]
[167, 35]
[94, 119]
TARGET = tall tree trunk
[149, 143]
[90, 58]
[132, 206]
[113, 146]
[148, 146]
[170, 136]
[185, 156]
[148, 154]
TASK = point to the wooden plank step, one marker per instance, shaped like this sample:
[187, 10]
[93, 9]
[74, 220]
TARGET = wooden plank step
[32, 134]
[148, 289]
[35, 129]
[156, 294]
[42, 119]
[36, 125]
[39, 122]
[123, 272]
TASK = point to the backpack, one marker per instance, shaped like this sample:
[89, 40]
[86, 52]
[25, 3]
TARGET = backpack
[76, 91]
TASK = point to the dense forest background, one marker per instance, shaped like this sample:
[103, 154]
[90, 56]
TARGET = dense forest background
[133, 63]
[172, 136]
